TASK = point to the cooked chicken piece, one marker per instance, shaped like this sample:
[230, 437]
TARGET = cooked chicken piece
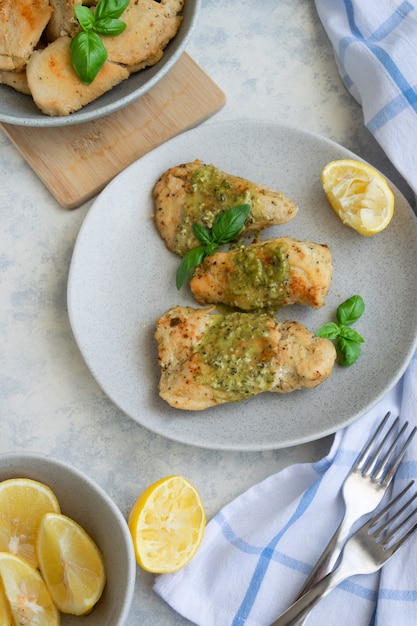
[63, 20]
[274, 272]
[208, 359]
[22, 23]
[17, 80]
[150, 26]
[56, 88]
[196, 193]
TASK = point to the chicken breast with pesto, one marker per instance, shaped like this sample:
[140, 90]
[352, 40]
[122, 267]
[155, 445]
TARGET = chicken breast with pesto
[208, 359]
[194, 193]
[271, 273]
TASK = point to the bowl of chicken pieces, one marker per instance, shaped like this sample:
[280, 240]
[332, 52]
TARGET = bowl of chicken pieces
[124, 46]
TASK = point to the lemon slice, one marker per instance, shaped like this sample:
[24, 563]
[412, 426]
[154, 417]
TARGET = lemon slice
[167, 525]
[23, 502]
[30, 601]
[5, 611]
[71, 564]
[359, 194]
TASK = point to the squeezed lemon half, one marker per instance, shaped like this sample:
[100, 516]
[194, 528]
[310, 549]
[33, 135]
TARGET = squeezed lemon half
[23, 502]
[71, 564]
[359, 195]
[167, 525]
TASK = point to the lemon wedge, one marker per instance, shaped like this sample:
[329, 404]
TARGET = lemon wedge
[167, 524]
[71, 564]
[26, 592]
[23, 502]
[5, 611]
[359, 195]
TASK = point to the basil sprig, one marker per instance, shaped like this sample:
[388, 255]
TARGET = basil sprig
[226, 226]
[347, 339]
[88, 53]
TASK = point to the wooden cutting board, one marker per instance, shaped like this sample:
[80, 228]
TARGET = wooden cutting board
[76, 162]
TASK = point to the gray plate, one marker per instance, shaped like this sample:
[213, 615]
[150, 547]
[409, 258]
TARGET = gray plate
[122, 278]
[19, 109]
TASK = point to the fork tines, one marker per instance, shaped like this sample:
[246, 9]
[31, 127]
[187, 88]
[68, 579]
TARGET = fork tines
[385, 533]
[375, 458]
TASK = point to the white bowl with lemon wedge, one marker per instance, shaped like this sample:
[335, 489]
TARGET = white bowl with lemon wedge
[73, 554]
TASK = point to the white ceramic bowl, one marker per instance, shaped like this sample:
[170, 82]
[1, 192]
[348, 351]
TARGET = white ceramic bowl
[19, 109]
[85, 502]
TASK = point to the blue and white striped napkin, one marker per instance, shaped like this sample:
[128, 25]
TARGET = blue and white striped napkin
[375, 47]
[258, 551]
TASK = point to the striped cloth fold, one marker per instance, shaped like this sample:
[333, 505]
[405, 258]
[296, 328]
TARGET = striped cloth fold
[375, 47]
[258, 550]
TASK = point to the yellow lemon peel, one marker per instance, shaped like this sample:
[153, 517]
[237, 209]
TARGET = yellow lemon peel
[167, 524]
[359, 195]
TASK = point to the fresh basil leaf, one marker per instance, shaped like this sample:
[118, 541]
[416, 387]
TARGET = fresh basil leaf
[210, 248]
[202, 233]
[227, 225]
[85, 17]
[110, 8]
[347, 340]
[189, 261]
[109, 26]
[348, 351]
[329, 331]
[350, 311]
[88, 55]
[351, 334]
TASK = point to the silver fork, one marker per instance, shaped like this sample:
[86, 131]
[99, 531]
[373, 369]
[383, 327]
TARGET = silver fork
[365, 552]
[363, 489]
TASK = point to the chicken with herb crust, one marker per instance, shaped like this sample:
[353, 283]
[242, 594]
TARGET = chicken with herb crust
[271, 273]
[208, 359]
[55, 87]
[195, 193]
[150, 26]
[38, 55]
[21, 25]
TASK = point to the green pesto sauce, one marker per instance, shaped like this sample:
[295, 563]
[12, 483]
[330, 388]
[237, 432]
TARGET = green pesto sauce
[262, 279]
[210, 194]
[237, 349]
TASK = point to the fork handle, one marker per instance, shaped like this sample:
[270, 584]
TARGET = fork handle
[327, 560]
[302, 607]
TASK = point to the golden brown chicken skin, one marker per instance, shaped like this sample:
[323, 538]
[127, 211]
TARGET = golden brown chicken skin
[274, 272]
[21, 25]
[195, 193]
[150, 26]
[56, 88]
[208, 359]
